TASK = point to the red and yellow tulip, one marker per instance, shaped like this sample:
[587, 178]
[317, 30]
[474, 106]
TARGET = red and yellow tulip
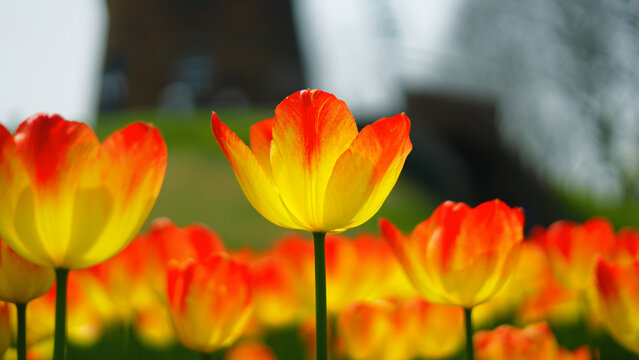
[308, 168]
[249, 350]
[573, 248]
[618, 294]
[534, 342]
[67, 201]
[20, 280]
[460, 256]
[167, 243]
[209, 301]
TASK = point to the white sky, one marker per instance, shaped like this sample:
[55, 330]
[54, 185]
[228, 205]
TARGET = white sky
[51, 55]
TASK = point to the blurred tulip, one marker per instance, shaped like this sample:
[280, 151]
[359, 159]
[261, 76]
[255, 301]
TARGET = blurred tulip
[365, 329]
[460, 256]
[308, 168]
[125, 279]
[68, 201]
[296, 255]
[276, 302]
[438, 329]
[209, 301]
[626, 248]
[399, 330]
[152, 325]
[572, 250]
[167, 243]
[249, 350]
[580, 353]
[535, 342]
[552, 302]
[5, 328]
[20, 280]
[618, 294]
[529, 277]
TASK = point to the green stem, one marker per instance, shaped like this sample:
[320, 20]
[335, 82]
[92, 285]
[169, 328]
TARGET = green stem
[22, 331]
[321, 331]
[470, 351]
[206, 356]
[60, 342]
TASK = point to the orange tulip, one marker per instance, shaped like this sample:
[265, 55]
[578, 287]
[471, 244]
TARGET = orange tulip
[535, 342]
[618, 294]
[580, 353]
[572, 250]
[365, 329]
[626, 248]
[275, 299]
[209, 301]
[438, 329]
[308, 168]
[460, 256]
[20, 280]
[250, 350]
[67, 201]
[167, 243]
[394, 330]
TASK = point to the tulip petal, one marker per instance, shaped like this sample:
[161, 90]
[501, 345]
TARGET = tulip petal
[261, 138]
[486, 251]
[252, 178]
[366, 173]
[311, 130]
[56, 156]
[618, 290]
[14, 185]
[131, 166]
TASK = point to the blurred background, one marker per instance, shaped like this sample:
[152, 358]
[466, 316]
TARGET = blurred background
[534, 102]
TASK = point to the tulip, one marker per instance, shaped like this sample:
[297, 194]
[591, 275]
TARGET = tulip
[309, 168]
[364, 330]
[209, 301]
[618, 294]
[166, 243]
[440, 328]
[573, 248]
[250, 350]
[460, 256]
[69, 202]
[535, 342]
[20, 282]
[276, 302]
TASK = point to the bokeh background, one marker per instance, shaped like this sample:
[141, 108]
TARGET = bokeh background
[534, 102]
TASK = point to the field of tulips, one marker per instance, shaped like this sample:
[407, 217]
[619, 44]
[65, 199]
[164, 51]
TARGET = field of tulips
[86, 278]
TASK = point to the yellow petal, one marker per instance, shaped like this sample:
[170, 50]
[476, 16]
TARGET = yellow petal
[256, 185]
[366, 173]
[115, 199]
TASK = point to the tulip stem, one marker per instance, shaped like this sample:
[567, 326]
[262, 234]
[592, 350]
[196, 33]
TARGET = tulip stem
[60, 342]
[321, 331]
[470, 352]
[206, 356]
[22, 331]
